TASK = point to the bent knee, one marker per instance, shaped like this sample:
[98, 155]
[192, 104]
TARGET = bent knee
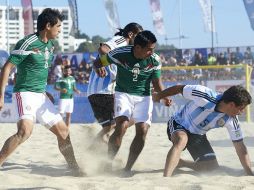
[64, 133]
[23, 134]
[60, 130]
[180, 142]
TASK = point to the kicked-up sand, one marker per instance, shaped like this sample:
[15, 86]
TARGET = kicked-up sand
[38, 164]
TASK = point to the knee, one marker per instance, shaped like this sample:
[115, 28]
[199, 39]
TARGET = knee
[141, 130]
[121, 128]
[180, 142]
[106, 129]
[60, 130]
[23, 134]
[64, 133]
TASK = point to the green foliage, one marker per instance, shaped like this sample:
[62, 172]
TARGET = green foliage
[165, 47]
[96, 40]
[80, 35]
[86, 47]
[91, 46]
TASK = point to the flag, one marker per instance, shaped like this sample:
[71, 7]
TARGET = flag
[28, 16]
[112, 15]
[74, 17]
[157, 17]
[249, 6]
[208, 17]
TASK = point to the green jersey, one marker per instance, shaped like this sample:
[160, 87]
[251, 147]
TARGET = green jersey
[32, 58]
[134, 75]
[69, 84]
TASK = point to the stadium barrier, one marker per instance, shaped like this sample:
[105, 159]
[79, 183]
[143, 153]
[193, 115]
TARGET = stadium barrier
[83, 112]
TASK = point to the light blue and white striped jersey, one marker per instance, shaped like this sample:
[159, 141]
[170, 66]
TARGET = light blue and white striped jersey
[199, 116]
[106, 85]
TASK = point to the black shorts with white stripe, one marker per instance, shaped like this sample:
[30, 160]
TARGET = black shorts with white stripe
[198, 145]
[103, 108]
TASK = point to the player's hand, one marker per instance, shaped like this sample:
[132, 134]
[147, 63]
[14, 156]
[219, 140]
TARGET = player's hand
[78, 92]
[101, 72]
[155, 96]
[167, 101]
[64, 90]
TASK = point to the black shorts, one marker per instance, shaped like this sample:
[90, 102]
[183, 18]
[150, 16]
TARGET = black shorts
[197, 145]
[103, 108]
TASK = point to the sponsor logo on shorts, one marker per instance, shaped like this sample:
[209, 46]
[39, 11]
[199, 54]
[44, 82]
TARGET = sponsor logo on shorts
[28, 108]
[178, 127]
[118, 108]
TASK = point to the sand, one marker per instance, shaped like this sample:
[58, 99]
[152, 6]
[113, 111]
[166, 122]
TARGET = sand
[38, 164]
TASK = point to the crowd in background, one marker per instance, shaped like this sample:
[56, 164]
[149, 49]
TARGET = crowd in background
[80, 73]
[81, 64]
[204, 57]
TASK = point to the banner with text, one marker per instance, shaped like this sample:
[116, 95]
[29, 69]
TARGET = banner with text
[83, 112]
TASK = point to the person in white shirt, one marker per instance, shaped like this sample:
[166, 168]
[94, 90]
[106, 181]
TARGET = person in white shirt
[206, 110]
[101, 90]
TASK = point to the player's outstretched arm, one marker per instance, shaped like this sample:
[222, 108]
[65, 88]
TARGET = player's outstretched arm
[5, 72]
[243, 155]
[171, 91]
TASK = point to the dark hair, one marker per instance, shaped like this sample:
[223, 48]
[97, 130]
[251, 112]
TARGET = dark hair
[237, 94]
[144, 37]
[50, 16]
[67, 67]
[131, 27]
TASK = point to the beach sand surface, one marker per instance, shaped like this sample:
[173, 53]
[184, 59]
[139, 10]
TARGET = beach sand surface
[38, 164]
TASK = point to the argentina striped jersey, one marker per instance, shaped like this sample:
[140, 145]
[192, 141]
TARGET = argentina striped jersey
[199, 116]
[106, 85]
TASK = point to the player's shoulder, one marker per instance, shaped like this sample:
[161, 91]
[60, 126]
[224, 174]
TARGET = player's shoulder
[198, 87]
[27, 41]
[122, 50]
[116, 41]
[72, 78]
[156, 59]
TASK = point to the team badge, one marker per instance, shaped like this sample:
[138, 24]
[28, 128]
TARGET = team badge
[237, 133]
[37, 51]
[28, 108]
[52, 49]
[221, 122]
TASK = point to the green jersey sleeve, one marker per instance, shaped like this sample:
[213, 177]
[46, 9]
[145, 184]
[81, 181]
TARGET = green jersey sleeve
[19, 53]
[157, 67]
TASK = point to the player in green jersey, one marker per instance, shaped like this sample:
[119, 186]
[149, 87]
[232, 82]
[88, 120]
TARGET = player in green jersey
[137, 67]
[67, 86]
[32, 56]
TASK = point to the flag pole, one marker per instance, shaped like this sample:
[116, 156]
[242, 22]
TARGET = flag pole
[212, 29]
[180, 24]
[8, 15]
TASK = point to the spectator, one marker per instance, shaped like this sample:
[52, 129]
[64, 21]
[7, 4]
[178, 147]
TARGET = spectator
[221, 60]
